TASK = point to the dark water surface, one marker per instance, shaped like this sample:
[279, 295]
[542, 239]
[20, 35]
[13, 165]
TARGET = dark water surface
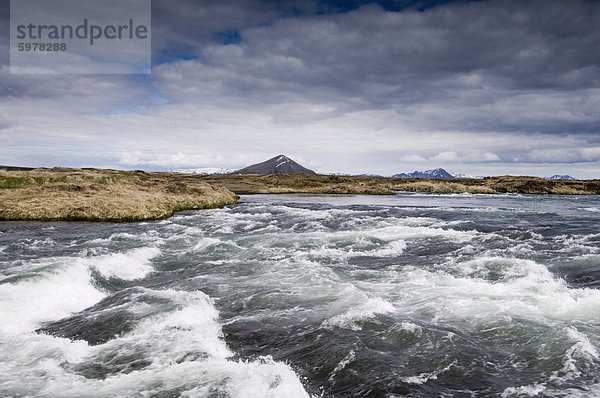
[293, 296]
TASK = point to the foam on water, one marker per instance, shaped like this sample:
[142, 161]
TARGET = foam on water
[425, 377]
[206, 242]
[381, 241]
[149, 236]
[354, 317]
[16, 268]
[411, 327]
[28, 362]
[580, 356]
[406, 232]
[520, 288]
[393, 248]
[311, 214]
[352, 247]
[47, 296]
[577, 244]
[191, 330]
[592, 209]
[37, 243]
[343, 363]
[181, 350]
[133, 264]
[63, 286]
[582, 352]
[523, 391]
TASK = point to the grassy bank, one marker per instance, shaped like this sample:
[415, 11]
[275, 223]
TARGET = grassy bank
[298, 183]
[250, 184]
[110, 195]
[103, 195]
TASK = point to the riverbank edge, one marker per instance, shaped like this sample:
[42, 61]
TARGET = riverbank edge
[104, 195]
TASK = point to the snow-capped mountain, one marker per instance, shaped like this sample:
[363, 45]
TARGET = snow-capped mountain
[460, 175]
[204, 170]
[560, 177]
[352, 175]
[435, 173]
[278, 165]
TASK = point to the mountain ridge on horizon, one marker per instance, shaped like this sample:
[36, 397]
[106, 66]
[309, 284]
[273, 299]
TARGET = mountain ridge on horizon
[433, 173]
[282, 160]
[560, 177]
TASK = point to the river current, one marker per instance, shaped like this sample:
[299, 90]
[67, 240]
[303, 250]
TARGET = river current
[416, 295]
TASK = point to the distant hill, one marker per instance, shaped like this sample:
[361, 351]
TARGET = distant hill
[351, 175]
[435, 173]
[460, 175]
[15, 168]
[278, 165]
[560, 177]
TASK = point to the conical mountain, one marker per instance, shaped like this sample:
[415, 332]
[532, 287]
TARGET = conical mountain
[278, 165]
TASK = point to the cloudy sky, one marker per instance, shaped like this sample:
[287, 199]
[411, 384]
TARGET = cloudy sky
[479, 87]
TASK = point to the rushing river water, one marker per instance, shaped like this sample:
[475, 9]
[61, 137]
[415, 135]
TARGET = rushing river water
[295, 296]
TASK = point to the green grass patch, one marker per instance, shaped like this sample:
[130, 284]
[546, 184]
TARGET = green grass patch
[113, 178]
[14, 182]
[7, 182]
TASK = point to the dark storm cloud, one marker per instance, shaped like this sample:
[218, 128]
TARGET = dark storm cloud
[480, 66]
[182, 28]
[534, 44]
[422, 82]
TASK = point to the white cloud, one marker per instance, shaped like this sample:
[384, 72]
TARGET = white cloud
[179, 159]
[447, 156]
[453, 157]
[412, 159]
[482, 158]
[564, 155]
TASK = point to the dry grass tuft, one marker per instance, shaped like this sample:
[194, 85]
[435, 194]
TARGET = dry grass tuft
[442, 187]
[103, 195]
